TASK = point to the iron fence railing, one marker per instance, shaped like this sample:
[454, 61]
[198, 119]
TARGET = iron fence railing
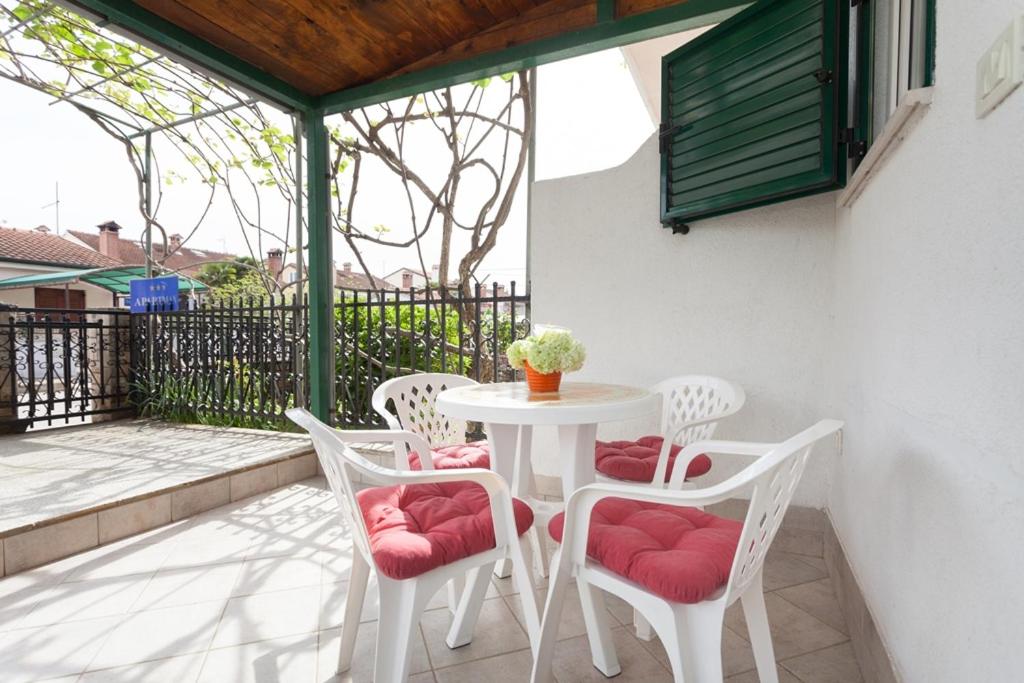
[61, 365]
[238, 363]
[244, 362]
[380, 334]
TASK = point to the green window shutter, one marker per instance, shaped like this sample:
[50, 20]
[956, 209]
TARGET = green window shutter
[754, 111]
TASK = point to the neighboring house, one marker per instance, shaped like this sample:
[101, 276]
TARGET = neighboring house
[344, 277]
[180, 258]
[407, 278]
[38, 251]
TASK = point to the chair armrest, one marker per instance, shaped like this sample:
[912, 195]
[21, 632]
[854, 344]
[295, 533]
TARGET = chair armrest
[581, 503]
[399, 438]
[690, 452]
[379, 402]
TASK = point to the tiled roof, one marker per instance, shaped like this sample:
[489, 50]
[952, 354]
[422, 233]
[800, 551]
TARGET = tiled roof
[184, 259]
[354, 280]
[44, 247]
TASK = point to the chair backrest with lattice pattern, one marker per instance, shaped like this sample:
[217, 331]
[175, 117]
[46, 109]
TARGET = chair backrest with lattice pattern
[774, 478]
[696, 397]
[413, 398]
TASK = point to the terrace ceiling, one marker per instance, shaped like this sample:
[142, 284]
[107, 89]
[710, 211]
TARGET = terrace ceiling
[319, 51]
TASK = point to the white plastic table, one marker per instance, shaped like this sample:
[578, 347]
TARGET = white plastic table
[576, 409]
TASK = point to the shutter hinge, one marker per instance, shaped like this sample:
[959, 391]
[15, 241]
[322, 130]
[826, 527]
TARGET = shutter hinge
[856, 148]
[823, 76]
[665, 133]
[676, 226]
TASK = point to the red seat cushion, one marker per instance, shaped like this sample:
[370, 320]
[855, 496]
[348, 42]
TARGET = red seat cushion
[637, 460]
[418, 527]
[680, 553]
[456, 457]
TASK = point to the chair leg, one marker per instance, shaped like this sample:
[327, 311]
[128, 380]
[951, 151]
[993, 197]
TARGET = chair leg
[756, 615]
[561, 575]
[595, 616]
[401, 603]
[461, 632]
[642, 626]
[540, 551]
[455, 588]
[353, 609]
[522, 579]
[700, 645]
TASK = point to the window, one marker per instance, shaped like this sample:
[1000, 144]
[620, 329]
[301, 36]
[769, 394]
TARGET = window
[755, 110]
[895, 54]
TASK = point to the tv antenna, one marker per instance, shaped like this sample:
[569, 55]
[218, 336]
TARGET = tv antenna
[55, 204]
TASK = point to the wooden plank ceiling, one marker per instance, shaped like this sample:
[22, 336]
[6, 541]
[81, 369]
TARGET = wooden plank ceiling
[323, 46]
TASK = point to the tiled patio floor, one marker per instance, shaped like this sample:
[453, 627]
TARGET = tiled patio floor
[254, 591]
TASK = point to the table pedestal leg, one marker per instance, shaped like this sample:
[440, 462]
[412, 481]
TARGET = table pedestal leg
[503, 441]
[576, 451]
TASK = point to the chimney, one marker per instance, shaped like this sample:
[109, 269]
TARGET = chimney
[174, 242]
[41, 228]
[435, 273]
[110, 241]
[406, 280]
[346, 267]
[275, 263]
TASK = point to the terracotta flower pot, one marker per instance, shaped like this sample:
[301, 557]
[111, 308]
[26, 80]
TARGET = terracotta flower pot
[542, 382]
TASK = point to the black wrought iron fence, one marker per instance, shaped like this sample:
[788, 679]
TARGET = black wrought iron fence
[61, 365]
[243, 363]
[380, 334]
[240, 363]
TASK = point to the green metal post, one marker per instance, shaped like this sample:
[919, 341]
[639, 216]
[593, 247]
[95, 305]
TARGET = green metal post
[148, 203]
[321, 279]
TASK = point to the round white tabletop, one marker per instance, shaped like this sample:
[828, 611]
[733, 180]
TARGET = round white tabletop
[574, 403]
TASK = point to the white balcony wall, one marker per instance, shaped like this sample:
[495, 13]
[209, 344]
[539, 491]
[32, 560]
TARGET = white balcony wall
[745, 297]
[927, 371]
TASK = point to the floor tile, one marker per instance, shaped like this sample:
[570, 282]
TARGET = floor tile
[782, 569]
[333, 597]
[52, 651]
[571, 623]
[124, 562]
[752, 677]
[183, 669]
[835, 664]
[817, 599]
[497, 632]
[159, 634]
[513, 667]
[281, 660]
[794, 631]
[277, 573]
[572, 662]
[363, 657]
[81, 600]
[264, 616]
[189, 585]
[736, 653]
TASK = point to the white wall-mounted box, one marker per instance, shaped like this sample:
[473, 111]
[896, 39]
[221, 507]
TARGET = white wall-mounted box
[1000, 69]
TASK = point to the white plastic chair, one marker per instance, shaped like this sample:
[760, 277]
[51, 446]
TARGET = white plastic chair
[691, 408]
[413, 398]
[402, 601]
[691, 633]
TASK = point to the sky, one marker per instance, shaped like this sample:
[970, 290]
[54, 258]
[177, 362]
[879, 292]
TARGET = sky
[45, 145]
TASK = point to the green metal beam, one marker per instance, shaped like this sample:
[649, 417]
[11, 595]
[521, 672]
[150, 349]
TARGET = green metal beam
[601, 36]
[605, 10]
[166, 36]
[320, 265]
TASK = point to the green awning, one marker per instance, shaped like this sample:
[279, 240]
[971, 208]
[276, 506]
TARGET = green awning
[112, 279]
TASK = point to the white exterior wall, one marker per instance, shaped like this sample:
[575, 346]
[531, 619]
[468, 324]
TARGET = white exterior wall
[903, 316]
[928, 372]
[745, 297]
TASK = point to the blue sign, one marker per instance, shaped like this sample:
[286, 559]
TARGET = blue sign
[154, 294]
